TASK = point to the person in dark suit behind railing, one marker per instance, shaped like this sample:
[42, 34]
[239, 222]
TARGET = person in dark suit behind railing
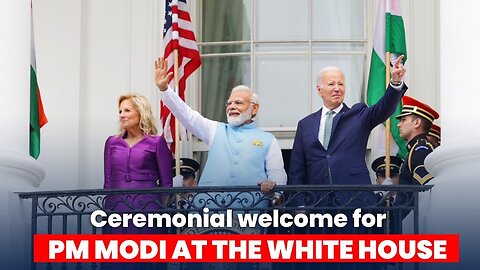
[330, 144]
[330, 148]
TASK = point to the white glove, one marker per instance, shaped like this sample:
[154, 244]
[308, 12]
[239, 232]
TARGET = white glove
[177, 181]
[387, 182]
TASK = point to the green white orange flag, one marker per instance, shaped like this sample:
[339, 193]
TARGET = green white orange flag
[37, 115]
[389, 37]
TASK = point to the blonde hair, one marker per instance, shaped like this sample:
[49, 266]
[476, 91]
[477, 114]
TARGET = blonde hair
[142, 106]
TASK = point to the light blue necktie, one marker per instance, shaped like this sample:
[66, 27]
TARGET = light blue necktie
[328, 128]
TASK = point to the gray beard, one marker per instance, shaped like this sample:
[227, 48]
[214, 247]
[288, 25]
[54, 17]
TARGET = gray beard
[241, 119]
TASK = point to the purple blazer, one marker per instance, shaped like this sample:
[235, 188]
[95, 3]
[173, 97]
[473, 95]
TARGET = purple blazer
[139, 166]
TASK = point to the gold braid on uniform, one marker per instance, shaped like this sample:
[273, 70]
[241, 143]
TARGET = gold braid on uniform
[420, 179]
[417, 177]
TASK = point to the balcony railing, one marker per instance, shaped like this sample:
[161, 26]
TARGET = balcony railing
[69, 211]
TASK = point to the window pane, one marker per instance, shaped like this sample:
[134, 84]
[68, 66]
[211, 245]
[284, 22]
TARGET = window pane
[353, 68]
[282, 47]
[339, 47]
[226, 20]
[209, 49]
[219, 76]
[282, 83]
[281, 19]
[339, 19]
[285, 68]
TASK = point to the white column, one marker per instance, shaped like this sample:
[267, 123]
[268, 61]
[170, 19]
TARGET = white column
[18, 171]
[453, 205]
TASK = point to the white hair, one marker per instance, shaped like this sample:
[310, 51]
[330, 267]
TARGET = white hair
[245, 88]
[324, 70]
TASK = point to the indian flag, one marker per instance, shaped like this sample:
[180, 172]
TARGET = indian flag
[37, 115]
[389, 37]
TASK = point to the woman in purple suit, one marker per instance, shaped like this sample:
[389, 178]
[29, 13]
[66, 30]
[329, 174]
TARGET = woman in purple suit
[136, 159]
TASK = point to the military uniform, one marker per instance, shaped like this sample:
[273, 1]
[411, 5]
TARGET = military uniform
[435, 131]
[378, 166]
[188, 167]
[434, 135]
[413, 171]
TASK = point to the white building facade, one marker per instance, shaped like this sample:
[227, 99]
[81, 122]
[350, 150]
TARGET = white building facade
[89, 52]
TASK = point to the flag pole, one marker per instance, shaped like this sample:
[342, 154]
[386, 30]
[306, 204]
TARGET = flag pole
[177, 128]
[387, 139]
[177, 124]
[387, 123]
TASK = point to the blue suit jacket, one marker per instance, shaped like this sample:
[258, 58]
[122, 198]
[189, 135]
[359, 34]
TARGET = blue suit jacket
[344, 160]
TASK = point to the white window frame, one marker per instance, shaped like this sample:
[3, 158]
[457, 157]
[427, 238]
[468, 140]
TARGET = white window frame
[285, 135]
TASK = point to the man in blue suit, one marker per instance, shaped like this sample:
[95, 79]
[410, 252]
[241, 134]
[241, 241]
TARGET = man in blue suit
[330, 144]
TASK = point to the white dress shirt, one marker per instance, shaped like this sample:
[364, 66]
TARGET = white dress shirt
[205, 129]
[325, 110]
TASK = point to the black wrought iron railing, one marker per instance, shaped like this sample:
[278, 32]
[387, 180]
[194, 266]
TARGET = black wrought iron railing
[69, 212]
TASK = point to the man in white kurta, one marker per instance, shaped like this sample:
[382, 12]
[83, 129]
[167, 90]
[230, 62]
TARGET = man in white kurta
[239, 152]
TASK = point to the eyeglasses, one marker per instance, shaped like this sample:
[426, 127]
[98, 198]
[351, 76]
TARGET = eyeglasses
[237, 103]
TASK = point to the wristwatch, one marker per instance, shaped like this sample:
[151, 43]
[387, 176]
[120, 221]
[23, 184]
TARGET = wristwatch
[396, 83]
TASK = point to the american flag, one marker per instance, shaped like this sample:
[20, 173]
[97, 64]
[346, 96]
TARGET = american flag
[178, 34]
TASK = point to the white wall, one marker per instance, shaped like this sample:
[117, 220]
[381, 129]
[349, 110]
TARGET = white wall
[453, 205]
[422, 29]
[57, 35]
[91, 51]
